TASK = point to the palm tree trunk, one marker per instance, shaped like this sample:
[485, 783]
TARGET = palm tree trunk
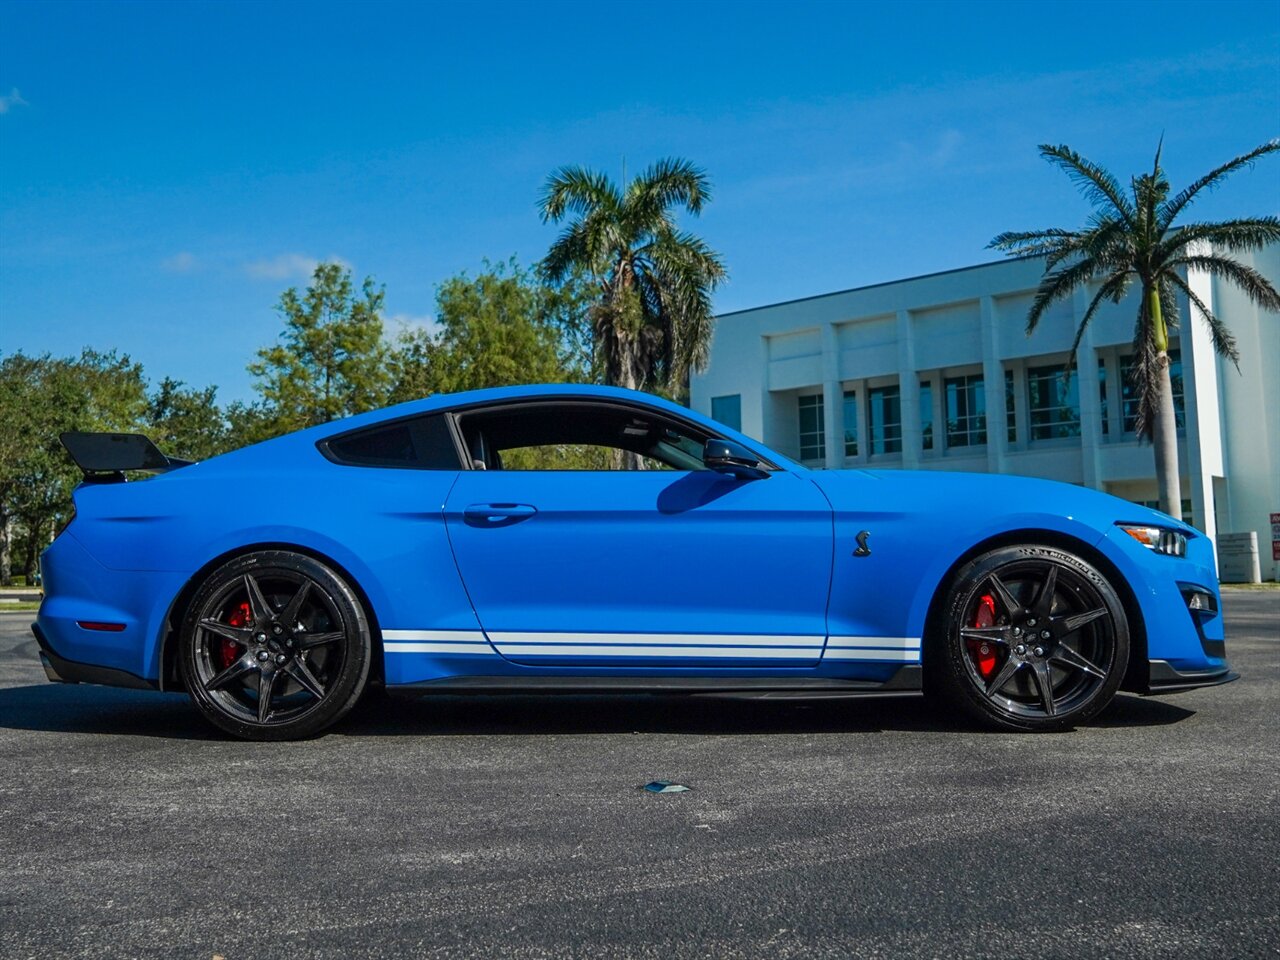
[1164, 431]
[1164, 437]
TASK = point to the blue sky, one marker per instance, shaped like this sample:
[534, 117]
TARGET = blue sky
[167, 169]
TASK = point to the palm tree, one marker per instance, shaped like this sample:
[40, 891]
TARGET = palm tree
[653, 320]
[1131, 239]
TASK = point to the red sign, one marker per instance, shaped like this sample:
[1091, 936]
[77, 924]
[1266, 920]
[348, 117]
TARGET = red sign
[1275, 537]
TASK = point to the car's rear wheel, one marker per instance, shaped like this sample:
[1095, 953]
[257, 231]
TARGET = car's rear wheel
[275, 646]
[1035, 638]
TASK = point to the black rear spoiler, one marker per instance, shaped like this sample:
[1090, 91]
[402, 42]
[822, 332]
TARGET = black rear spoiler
[105, 457]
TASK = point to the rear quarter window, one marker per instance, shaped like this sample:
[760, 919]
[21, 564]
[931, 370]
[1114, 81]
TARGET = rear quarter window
[423, 443]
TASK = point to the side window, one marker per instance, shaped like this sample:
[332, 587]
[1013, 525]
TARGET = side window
[423, 443]
[568, 435]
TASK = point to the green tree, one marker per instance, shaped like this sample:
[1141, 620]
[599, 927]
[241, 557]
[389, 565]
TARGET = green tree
[1132, 239]
[186, 422]
[40, 398]
[20, 404]
[331, 360]
[249, 423]
[499, 328]
[652, 318]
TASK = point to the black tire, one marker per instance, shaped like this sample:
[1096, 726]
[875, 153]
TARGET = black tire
[1034, 639]
[278, 623]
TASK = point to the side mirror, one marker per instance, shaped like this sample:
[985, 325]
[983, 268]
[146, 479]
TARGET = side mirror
[725, 456]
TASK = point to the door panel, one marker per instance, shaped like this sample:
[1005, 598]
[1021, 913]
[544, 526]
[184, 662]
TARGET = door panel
[648, 567]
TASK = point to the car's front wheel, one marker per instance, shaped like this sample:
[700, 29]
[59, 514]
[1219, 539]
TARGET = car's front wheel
[275, 646]
[1035, 638]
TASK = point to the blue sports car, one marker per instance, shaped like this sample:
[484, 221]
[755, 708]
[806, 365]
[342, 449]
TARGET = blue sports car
[444, 546]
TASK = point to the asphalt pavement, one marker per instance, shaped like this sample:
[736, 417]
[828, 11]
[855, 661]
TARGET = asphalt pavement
[515, 827]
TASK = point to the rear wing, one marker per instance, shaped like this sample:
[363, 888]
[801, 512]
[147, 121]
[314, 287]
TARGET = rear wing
[106, 457]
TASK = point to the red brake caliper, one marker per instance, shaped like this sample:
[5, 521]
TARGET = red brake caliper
[228, 651]
[984, 653]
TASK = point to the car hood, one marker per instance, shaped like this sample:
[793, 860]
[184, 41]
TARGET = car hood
[970, 496]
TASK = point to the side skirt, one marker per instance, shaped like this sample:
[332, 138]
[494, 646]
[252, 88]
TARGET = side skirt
[904, 682]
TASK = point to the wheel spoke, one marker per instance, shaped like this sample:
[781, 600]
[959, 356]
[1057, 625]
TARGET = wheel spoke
[1044, 600]
[1004, 676]
[266, 683]
[258, 605]
[289, 615]
[241, 635]
[998, 634]
[1044, 681]
[234, 672]
[298, 670]
[1010, 602]
[1064, 654]
[1073, 623]
[305, 641]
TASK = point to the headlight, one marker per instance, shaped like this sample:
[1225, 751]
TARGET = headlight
[1160, 539]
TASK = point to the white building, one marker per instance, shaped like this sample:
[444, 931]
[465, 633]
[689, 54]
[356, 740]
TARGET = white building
[937, 372]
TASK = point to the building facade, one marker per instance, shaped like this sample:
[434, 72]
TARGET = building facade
[937, 372]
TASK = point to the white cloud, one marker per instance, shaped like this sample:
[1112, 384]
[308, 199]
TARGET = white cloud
[290, 266]
[11, 100]
[181, 262]
[287, 266]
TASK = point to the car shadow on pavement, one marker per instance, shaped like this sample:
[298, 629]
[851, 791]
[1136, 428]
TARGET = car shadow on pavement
[569, 714]
[105, 710]
[84, 708]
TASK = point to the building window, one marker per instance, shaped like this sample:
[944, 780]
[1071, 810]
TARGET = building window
[1010, 409]
[966, 411]
[1053, 404]
[813, 445]
[884, 409]
[850, 423]
[926, 415]
[727, 410]
[1129, 394]
[1102, 395]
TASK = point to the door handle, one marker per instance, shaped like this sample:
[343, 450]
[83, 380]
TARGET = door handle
[496, 514]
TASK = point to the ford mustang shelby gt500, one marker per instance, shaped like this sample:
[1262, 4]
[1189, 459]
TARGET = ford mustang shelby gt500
[441, 545]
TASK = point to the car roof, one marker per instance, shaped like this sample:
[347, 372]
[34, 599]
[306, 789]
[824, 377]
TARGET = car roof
[274, 449]
[495, 395]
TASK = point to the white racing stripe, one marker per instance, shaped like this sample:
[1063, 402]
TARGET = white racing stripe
[687, 652]
[445, 636]
[848, 653]
[859, 643]
[481, 648]
[661, 639]
[653, 645]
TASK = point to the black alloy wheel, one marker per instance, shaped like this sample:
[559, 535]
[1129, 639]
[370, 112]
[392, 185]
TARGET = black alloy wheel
[275, 646]
[1036, 639]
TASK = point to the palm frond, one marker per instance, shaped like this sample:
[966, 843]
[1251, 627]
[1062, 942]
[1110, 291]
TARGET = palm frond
[1056, 285]
[567, 252]
[1170, 210]
[576, 190]
[1251, 283]
[1113, 289]
[1032, 243]
[1097, 184]
[1251, 233]
[687, 271]
[669, 182]
[1107, 243]
[1224, 342]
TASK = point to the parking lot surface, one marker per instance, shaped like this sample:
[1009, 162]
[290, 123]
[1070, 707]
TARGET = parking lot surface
[516, 827]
